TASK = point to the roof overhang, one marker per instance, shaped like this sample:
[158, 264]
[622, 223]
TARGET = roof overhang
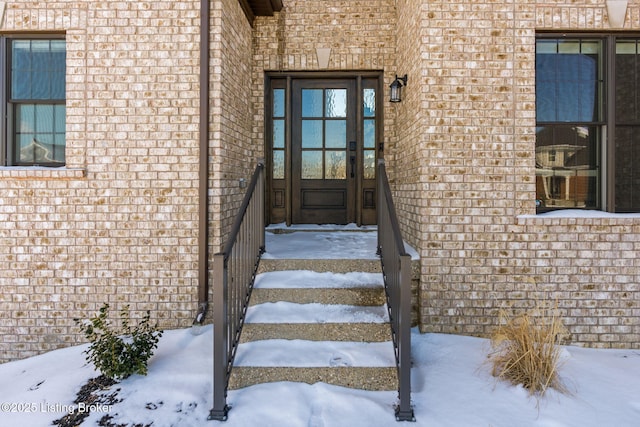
[253, 8]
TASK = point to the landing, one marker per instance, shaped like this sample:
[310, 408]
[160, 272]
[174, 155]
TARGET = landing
[323, 242]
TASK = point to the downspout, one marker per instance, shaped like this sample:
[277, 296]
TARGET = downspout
[203, 174]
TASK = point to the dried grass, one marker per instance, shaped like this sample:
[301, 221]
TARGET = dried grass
[526, 350]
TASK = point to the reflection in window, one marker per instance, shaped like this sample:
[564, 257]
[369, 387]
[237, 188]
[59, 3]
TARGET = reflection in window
[336, 134]
[312, 164]
[312, 102]
[336, 103]
[278, 164]
[569, 90]
[336, 162]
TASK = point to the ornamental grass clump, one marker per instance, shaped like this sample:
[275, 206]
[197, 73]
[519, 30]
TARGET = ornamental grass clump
[119, 352]
[526, 351]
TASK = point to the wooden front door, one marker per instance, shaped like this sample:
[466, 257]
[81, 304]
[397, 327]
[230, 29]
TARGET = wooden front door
[323, 152]
[323, 149]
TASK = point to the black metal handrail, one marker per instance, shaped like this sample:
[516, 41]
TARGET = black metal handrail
[396, 269]
[234, 275]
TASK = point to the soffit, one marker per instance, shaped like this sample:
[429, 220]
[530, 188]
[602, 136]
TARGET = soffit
[253, 8]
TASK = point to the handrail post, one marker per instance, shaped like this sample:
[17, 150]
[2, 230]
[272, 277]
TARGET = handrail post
[404, 411]
[396, 269]
[220, 408]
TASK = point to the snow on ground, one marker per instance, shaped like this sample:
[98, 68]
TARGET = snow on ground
[452, 386]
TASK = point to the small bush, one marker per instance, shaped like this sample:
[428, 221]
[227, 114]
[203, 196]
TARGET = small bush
[120, 353]
[525, 350]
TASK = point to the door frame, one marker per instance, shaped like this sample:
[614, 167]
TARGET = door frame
[279, 200]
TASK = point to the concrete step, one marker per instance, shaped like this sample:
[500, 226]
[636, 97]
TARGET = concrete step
[304, 286]
[321, 265]
[367, 366]
[317, 320]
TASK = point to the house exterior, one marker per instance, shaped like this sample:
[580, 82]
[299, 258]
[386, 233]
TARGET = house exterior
[510, 109]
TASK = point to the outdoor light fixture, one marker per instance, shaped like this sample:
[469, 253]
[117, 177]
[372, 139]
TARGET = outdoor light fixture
[396, 88]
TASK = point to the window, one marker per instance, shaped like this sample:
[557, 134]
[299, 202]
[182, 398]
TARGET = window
[588, 123]
[34, 101]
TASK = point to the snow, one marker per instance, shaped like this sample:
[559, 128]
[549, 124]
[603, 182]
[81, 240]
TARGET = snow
[581, 213]
[451, 380]
[324, 242]
[272, 312]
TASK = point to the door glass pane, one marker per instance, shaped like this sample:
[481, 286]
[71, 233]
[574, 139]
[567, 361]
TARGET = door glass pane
[278, 103]
[278, 133]
[369, 133]
[336, 165]
[311, 102]
[369, 164]
[336, 133]
[312, 134]
[369, 101]
[312, 164]
[336, 103]
[278, 164]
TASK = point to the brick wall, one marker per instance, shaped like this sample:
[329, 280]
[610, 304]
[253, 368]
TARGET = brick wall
[484, 248]
[119, 223]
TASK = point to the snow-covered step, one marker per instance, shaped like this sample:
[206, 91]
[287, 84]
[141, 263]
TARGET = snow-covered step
[288, 312]
[322, 287]
[367, 366]
[302, 353]
[319, 322]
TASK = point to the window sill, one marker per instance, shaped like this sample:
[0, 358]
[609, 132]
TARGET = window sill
[577, 216]
[37, 172]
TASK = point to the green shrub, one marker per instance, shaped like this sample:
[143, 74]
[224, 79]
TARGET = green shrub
[119, 353]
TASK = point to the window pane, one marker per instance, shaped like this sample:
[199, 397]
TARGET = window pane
[278, 103]
[627, 186]
[627, 88]
[278, 164]
[40, 133]
[38, 69]
[568, 83]
[336, 165]
[278, 133]
[335, 133]
[369, 101]
[312, 165]
[311, 102]
[336, 103]
[44, 118]
[568, 166]
[369, 133]
[312, 134]
[60, 117]
[369, 164]
[59, 148]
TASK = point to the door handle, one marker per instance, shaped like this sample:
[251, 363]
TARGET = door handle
[353, 166]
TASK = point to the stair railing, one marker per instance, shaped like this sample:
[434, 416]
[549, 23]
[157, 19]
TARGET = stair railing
[234, 272]
[396, 269]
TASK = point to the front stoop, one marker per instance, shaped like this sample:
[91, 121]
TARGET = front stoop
[319, 326]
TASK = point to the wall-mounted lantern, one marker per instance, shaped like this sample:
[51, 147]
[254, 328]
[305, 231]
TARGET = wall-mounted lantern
[396, 88]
